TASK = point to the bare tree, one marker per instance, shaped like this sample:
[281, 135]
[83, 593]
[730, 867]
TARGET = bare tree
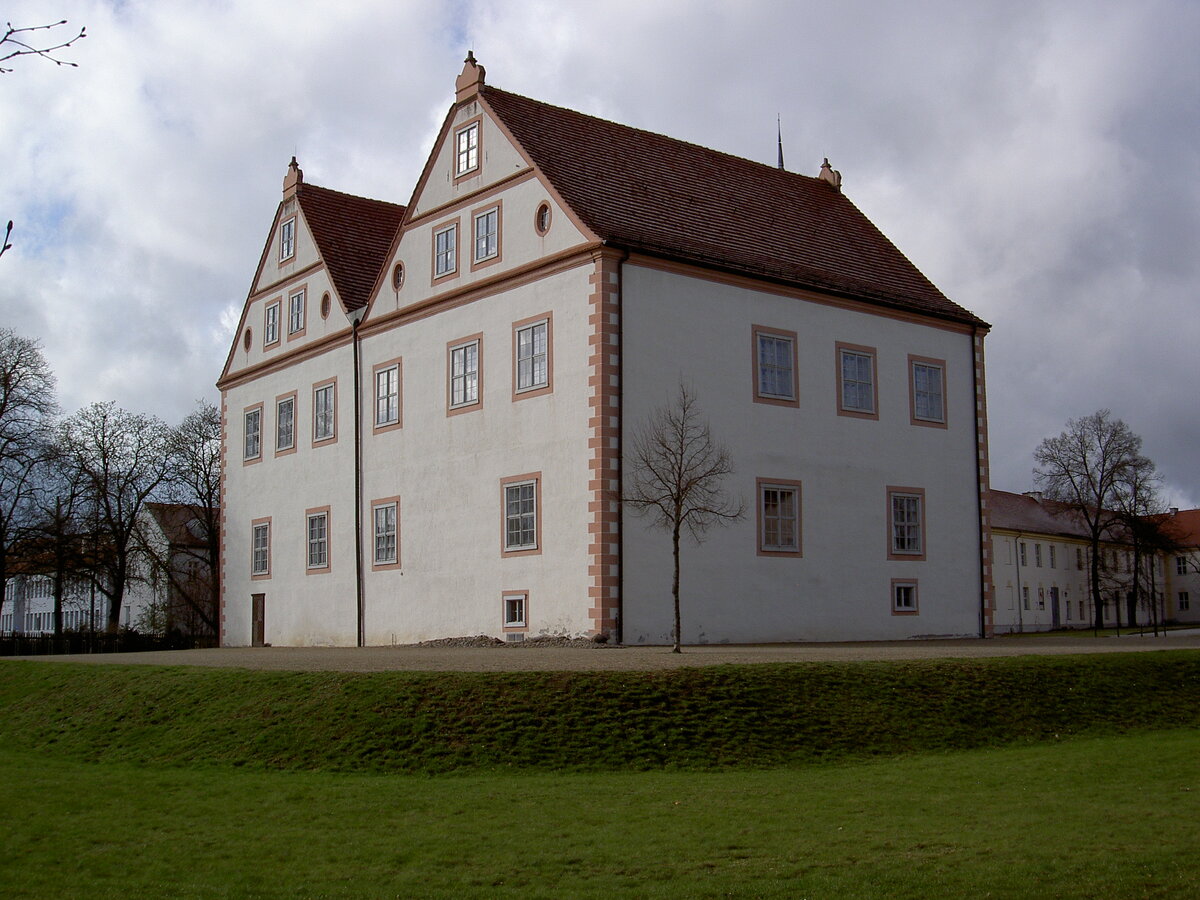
[1086, 468]
[21, 42]
[191, 568]
[27, 411]
[123, 460]
[676, 477]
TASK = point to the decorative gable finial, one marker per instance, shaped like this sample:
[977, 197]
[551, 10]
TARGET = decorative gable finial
[830, 174]
[293, 179]
[470, 80]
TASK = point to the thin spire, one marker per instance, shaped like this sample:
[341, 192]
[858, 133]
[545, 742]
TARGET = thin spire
[779, 133]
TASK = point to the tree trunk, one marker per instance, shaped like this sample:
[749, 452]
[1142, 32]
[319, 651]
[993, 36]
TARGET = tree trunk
[1097, 599]
[675, 583]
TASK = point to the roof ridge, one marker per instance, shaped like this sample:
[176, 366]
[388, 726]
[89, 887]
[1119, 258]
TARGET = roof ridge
[308, 185]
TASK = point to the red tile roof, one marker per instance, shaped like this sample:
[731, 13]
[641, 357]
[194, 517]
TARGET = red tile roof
[178, 522]
[1184, 527]
[647, 192]
[353, 235]
[1019, 512]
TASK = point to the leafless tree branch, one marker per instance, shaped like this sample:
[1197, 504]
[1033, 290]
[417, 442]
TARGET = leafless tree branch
[16, 42]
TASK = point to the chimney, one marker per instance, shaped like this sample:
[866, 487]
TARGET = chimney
[1174, 510]
[1035, 496]
[830, 174]
[470, 80]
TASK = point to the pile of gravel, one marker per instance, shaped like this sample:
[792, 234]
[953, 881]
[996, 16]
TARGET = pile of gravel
[546, 640]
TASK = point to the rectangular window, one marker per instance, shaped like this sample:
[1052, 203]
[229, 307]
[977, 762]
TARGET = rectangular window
[532, 353]
[1185, 601]
[1025, 597]
[774, 366]
[779, 517]
[1079, 558]
[296, 313]
[318, 538]
[271, 325]
[387, 395]
[252, 448]
[287, 239]
[466, 144]
[1181, 565]
[904, 598]
[1037, 555]
[464, 388]
[515, 610]
[522, 529]
[324, 411]
[387, 544]
[906, 514]
[1024, 557]
[260, 551]
[285, 423]
[445, 251]
[928, 391]
[487, 234]
[856, 381]
[1053, 557]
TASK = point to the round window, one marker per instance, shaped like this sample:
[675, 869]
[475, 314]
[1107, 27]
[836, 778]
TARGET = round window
[247, 339]
[541, 219]
[325, 305]
[398, 276]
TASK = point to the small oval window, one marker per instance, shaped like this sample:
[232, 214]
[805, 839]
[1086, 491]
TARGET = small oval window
[325, 305]
[247, 339]
[398, 276]
[541, 219]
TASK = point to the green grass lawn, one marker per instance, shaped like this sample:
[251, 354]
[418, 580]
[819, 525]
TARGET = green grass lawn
[1019, 777]
[1099, 817]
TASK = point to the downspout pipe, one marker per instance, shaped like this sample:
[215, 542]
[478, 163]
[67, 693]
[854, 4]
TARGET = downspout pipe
[356, 316]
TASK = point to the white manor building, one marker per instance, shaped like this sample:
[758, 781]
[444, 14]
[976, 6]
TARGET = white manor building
[552, 280]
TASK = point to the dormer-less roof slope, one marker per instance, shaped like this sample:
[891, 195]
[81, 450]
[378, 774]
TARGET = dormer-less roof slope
[663, 196]
[1019, 512]
[175, 520]
[1183, 526]
[353, 236]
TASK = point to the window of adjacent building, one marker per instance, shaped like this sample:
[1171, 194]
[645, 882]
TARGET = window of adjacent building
[271, 325]
[1053, 557]
[774, 366]
[296, 313]
[252, 448]
[285, 423]
[515, 610]
[386, 534]
[287, 239]
[904, 597]
[1024, 557]
[1185, 601]
[521, 514]
[856, 380]
[387, 395]
[464, 365]
[1079, 558]
[928, 391]
[487, 234]
[1181, 565]
[1037, 555]
[260, 551]
[1025, 597]
[466, 143]
[318, 539]
[445, 251]
[324, 411]
[532, 341]
[1041, 598]
[907, 523]
[779, 517]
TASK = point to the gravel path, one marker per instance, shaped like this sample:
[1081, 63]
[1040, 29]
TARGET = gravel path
[584, 656]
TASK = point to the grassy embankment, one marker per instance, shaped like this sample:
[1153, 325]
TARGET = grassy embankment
[731, 781]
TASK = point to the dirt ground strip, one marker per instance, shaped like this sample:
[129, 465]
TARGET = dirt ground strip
[604, 658]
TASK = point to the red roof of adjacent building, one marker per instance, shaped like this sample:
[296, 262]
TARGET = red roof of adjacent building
[353, 235]
[655, 194]
[1184, 526]
[1023, 513]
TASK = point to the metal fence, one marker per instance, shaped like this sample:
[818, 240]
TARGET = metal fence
[17, 644]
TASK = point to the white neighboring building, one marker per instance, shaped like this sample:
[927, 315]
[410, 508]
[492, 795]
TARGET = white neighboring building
[551, 281]
[1183, 567]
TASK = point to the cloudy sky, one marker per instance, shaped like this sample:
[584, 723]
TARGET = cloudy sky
[1039, 161]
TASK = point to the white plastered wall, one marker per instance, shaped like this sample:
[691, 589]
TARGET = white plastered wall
[677, 327]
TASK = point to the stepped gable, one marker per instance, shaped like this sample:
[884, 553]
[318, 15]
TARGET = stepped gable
[662, 196]
[353, 235]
